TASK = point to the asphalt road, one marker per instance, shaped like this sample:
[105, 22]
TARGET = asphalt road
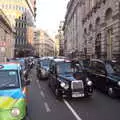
[42, 105]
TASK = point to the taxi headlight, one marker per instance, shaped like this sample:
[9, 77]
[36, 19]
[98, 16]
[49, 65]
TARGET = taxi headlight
[89, 83]
[62, 84]
[66, 86]
[119, 83]
[15, 112]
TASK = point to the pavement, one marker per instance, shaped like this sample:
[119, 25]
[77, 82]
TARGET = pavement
[42, 105]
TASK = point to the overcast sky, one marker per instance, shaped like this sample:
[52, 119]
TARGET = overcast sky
[49, 14]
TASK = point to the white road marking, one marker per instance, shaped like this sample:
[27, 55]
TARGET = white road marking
[72, 110]
[37, 81]
[42, 94]
[39, 86]
[47, 107]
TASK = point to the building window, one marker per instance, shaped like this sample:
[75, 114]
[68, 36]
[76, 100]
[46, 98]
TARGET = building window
[98, 46]
[23, 9]
[90, 27]
[19, 8]
[20, 41]
[17, 41]
[97, 23]
[16, 7]
[22, 25]
[25, 17]
[6, 6]
[9, 6]
[108, 14]
[19, 25]
[3, 6]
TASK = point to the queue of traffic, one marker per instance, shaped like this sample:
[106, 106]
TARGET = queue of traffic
[79, 78]
[67, 78]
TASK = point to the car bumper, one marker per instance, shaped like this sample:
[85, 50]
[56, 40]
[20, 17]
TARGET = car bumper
[78, 93]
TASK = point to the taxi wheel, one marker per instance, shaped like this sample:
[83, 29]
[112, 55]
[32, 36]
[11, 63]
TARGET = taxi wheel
[111, 92]
[58, 94]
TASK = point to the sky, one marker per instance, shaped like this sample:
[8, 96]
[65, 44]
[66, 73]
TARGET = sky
[49, 15]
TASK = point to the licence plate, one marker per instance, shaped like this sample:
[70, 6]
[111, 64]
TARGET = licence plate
[77, 94]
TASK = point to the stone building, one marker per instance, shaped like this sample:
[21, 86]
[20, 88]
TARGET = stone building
[73, 29]
[101, 25]
[43, 44]
[21, 14]
[57, 45]
[98, 28]
[6, 38]
[60, 37]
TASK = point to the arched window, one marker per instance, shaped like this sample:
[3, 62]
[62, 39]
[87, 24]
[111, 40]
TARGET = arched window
[108, 14]
[98, 46]
[85, 31]
[90, 27]
[97, 22]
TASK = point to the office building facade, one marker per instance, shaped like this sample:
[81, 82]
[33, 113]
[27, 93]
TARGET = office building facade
[21, 14]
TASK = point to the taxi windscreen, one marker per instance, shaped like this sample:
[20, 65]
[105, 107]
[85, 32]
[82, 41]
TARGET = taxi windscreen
[64, 67]
[9, 79]
[45, 62]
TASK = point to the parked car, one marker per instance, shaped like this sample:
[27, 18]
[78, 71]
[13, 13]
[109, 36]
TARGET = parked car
[69, 80]
[43, 68]
[106, 76]
[13, 92]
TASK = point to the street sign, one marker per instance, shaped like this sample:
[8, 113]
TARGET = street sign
[2, 44]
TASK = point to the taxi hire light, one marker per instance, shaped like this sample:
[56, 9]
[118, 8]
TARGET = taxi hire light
[119, 83]
[15, 112]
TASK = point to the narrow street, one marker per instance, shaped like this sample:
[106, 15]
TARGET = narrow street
[42, 104]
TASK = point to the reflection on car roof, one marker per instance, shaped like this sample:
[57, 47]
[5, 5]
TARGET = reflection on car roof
[61, 60]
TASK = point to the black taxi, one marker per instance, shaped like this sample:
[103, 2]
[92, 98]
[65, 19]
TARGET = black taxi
[67, 79]
[105, 75]
[43, 68]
